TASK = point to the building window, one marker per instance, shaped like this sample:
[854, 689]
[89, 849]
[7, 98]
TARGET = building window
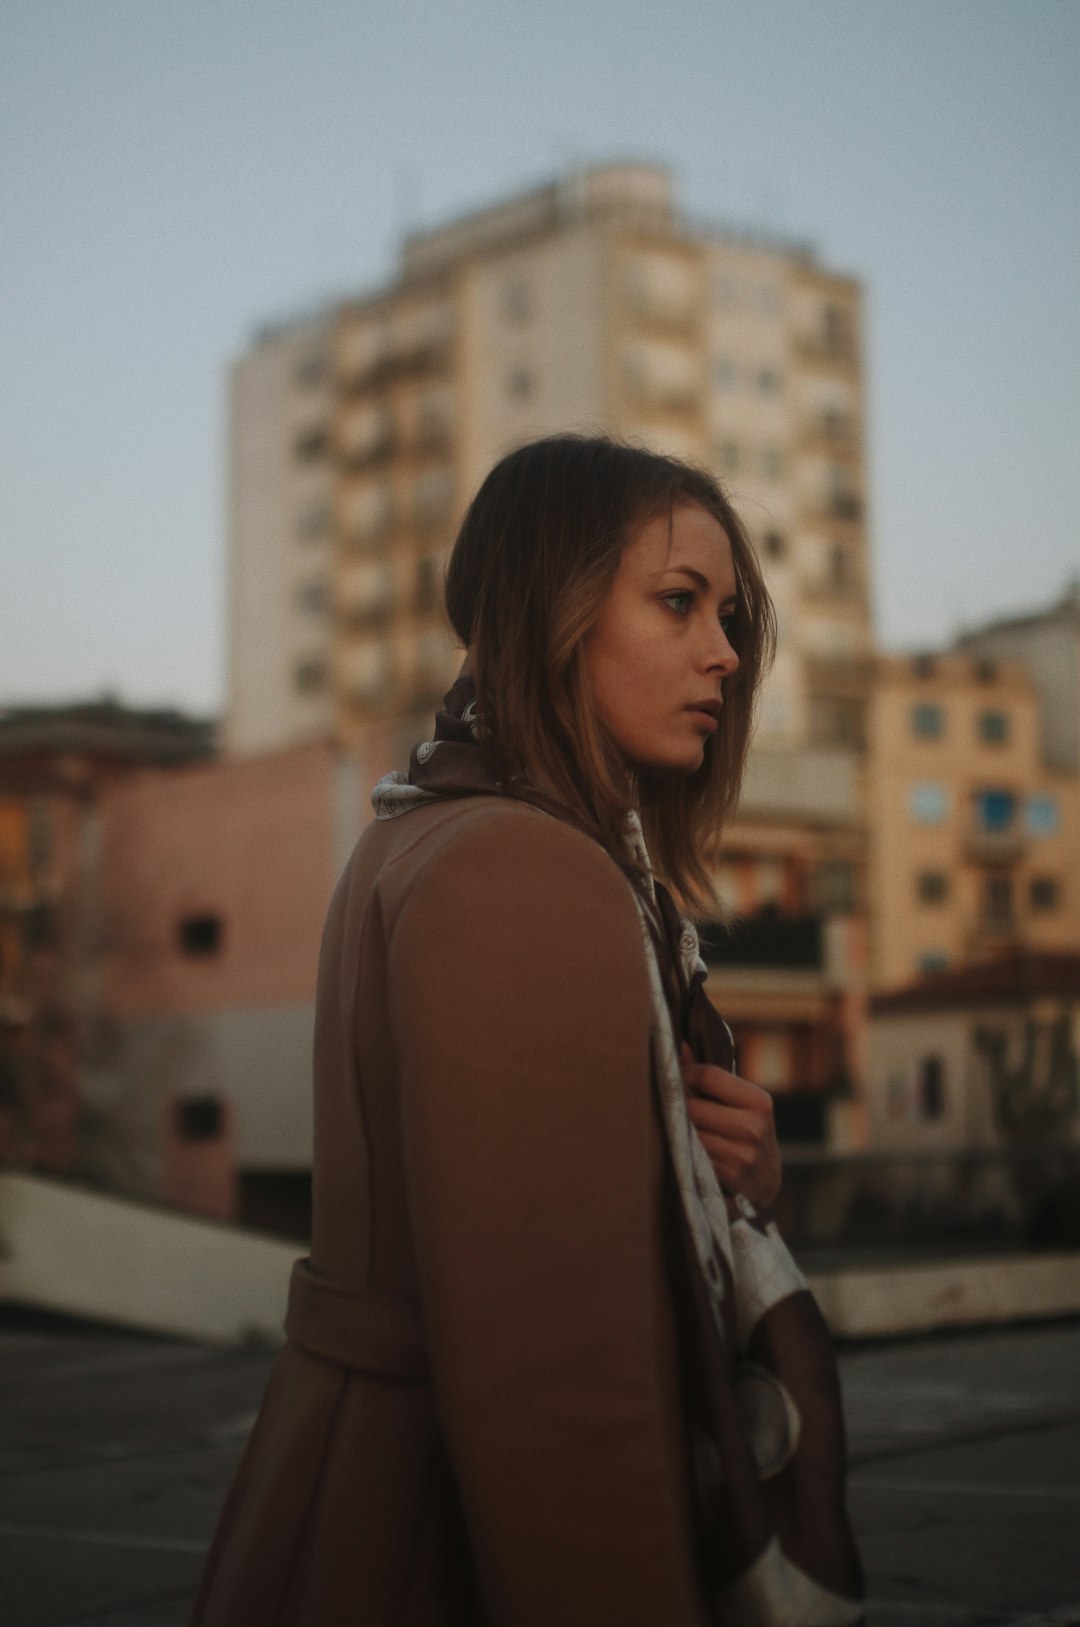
[832, 887]
[931, 961]
[199, 1118]
[433, 499]
[801, 1116]
[727, 456]
[998, 901]
[995, 811]
[725, 375]
[1045, 893]
[200, 935]
[309, 677]
[835, 721]
[772, 462]
[516, 302]
[1041, 816]
[519, 383]
[775, 546]
[311, 369]
[427, 583]
[835, 329]
[931, 1087]
[993, 728]
[986, 671]
[313, 523]
[313, 596]
[40, 928]
[924, 666]
[768, 380]
[39, 837]
[311, 444]
[927, 721]
[839, 565]
[928, 803]
[932, 886]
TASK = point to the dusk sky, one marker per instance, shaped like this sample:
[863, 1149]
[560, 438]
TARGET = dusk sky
[173, 175]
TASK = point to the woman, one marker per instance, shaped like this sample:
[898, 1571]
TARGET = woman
[541, 1370]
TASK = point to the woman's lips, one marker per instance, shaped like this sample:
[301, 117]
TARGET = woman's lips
[706, 717]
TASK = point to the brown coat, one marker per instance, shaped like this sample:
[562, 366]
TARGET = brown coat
[476, 1417]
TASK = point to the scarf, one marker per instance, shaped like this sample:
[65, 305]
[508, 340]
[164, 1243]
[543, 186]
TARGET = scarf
[760, 1381]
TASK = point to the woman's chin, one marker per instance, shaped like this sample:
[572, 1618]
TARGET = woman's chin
[676, 767]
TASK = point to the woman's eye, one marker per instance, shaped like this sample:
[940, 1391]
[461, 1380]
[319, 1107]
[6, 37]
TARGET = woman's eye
[727, 623]
[679, 602]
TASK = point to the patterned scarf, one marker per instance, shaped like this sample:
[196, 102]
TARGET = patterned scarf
[760, 1377]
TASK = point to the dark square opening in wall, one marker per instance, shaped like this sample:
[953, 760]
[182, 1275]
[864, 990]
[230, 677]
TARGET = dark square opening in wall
[200, 935]
[200, 1118]
[801, 1116]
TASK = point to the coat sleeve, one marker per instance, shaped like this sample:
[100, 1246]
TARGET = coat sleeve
[520, 999]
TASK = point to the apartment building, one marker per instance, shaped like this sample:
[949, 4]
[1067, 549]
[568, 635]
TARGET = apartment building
[590, 304]
[974, 832]
[359, 434]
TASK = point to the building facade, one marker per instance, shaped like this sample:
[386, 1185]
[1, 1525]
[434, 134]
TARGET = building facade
[974, 835]
[359, 434]
[57, 763]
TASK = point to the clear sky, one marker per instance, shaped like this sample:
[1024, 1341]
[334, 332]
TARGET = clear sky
[174, 172]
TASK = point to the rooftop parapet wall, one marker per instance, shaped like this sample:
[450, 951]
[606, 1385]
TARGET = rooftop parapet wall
[635, 192]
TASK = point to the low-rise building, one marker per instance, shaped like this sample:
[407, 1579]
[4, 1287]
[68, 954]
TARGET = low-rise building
[974, 834]
[56, 763]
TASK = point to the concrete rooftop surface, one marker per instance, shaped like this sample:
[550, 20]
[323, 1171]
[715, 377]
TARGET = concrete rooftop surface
[116, 1450]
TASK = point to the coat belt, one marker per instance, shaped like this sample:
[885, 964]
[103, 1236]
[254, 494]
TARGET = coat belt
[373, 1334]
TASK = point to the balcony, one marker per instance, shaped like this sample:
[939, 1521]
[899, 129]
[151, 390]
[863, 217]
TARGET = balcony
[371, 455]
[850, 589]
[836, 351]
[431, 436]
[666, 318]
[831, 509]
[983, 846]
[420, 359]
[829, 435]
[784, 942]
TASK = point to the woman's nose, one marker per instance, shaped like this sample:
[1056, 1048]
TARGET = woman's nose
[722, 657]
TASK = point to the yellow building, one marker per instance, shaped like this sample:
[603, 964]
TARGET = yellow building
[973, 836]
[359, 434]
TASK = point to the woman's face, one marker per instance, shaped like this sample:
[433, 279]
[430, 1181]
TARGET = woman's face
[658, 653]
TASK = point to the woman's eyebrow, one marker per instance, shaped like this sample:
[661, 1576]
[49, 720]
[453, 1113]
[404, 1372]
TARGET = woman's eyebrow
[696, 576]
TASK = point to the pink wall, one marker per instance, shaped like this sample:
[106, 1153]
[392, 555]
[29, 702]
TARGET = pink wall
[250, 841]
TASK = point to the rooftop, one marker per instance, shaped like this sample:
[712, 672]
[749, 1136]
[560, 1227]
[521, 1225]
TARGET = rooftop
[1011, 980]
[103, 729]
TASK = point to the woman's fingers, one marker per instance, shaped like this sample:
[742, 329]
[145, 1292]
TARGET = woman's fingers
[734, 1121]
[705, 1079]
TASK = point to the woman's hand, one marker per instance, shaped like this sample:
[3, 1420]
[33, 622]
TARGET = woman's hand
[734, 1120]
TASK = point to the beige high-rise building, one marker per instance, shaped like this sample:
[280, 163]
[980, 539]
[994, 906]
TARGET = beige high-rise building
[360, 433]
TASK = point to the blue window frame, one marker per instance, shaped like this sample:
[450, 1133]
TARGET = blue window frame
[928, 803]
[995, 810]
[1041, 816]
